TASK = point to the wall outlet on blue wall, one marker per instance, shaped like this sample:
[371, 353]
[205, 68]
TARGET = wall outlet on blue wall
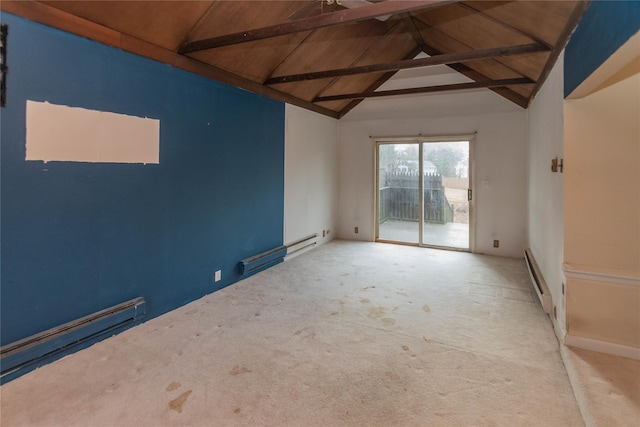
[217, 276]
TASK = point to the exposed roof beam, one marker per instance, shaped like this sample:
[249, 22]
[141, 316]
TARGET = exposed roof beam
[388, 7]
[413, 29]
[375, 85]
[572, 23]
[505, 92]
[449, 58]
[505, 25]
[428, 89]
[40, 12]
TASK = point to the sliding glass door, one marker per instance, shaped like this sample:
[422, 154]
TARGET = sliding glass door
[399, 192]
[423, 192]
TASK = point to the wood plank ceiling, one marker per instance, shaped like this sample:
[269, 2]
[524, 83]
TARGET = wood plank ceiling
[327, 56]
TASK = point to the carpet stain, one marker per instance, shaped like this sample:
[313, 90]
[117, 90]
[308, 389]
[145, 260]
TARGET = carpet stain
[176, 404]
[345, 274]
[260, 296]
[237, 411]
[334, 313]
[405, 347]
[367, 288]
[388, 321]
[392, 376]
[426, 308]
[365, 300]
[239, 370]
[396, 308]
[403, 294]
[370, 338]
[190, 312]
[173, 386]
[378, 312]
[311, 334]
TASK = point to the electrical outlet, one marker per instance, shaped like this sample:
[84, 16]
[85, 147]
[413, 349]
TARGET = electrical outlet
[496, 243]
[328, 231]
[355, 230]
[217, 276]
[324, 233]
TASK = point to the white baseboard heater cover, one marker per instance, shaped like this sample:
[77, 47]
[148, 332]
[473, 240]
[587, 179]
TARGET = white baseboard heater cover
[303, 243]
[37, 347]
[274, 256]
[538, 282]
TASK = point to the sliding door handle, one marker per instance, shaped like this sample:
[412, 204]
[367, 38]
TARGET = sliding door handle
[469, 194]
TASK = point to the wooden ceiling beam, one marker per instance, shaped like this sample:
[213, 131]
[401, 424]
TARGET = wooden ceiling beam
[375, 85]
[413, 29]
[47, 15]
[505, 92]
[341, 17]
[506, 25]
[572, 23]
[428, 89]
[442, 59]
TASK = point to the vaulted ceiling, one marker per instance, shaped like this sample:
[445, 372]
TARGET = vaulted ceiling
[327, 56]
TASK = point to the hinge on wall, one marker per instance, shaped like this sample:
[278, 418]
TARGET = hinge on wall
[557, 165]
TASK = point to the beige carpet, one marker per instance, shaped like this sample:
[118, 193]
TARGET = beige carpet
[348, 334]
[607, 387]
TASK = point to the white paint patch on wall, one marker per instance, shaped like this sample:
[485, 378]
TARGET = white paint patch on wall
[311, 175]
[72, 134]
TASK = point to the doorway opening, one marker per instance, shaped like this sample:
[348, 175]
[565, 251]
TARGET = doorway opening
[424, 192]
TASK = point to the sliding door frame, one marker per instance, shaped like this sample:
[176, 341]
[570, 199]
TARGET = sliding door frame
[419, 141]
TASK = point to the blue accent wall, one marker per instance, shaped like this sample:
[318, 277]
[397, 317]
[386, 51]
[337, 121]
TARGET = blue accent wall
[605, 27]
[80, 237]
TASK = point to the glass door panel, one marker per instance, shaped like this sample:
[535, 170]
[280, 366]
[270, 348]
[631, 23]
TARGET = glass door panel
[399, 193]
[445, 194]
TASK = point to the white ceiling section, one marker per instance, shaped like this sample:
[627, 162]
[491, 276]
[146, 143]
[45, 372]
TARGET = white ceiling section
[444, 104]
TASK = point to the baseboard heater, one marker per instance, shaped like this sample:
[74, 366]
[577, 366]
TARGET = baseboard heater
[262, 260]
[274, 256]
[538, 282]
[37, 347]
[303, 243]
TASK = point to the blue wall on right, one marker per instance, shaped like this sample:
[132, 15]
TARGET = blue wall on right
[605, 27]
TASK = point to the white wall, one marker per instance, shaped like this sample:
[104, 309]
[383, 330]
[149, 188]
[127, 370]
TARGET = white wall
[546, 189]
[501, 159]
[311, 175]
